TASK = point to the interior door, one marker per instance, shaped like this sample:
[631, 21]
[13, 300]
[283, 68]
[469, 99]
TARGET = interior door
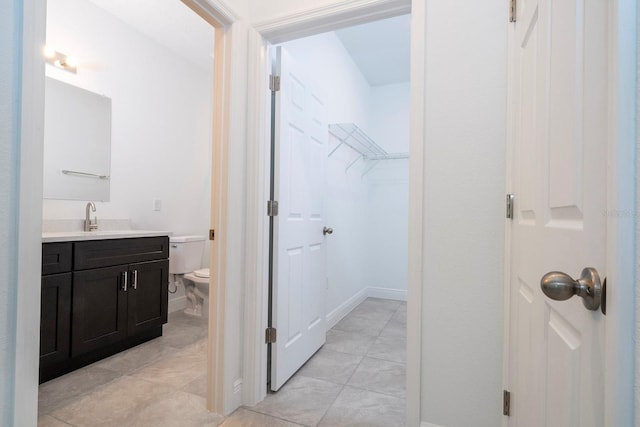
[299, 262]
[558, 133]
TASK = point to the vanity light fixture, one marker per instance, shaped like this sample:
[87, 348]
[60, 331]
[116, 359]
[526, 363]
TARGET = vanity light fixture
[60, 60]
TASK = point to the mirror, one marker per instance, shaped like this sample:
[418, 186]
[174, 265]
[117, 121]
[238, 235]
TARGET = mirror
[77, 143]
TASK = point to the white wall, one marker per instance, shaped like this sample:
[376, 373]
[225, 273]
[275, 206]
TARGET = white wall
[387, 227]
[389, 115]
[161, 120]
[463, 220]
[347, 197]
[388, 184]
[10, 44]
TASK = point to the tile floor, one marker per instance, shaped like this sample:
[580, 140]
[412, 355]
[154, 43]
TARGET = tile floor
[356, 379]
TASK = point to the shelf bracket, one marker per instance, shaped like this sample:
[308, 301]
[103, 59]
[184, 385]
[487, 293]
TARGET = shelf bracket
[373, 164]
[335, 148]
[354, 162]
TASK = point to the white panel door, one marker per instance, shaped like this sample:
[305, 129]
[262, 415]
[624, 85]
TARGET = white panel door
[558, 132]
[300, 264]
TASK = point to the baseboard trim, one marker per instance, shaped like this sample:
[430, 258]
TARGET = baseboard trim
[236, 400]
[177, 304]
[387, 293]
[345, 308]
[426, 424]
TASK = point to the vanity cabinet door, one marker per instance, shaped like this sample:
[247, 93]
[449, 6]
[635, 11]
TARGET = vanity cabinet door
[99, 312]
[148, 295]
[55, 319]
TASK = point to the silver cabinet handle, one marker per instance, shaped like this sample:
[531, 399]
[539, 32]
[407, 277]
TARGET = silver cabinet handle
[125, 281]
[560, 286]
[135, 279]
[327, 230]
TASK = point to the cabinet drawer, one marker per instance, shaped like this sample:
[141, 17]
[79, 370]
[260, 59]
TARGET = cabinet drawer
[105, 253]
[56, 257]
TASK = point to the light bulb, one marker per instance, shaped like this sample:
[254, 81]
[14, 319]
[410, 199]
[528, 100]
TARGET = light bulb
[71, 61]
[48, 52]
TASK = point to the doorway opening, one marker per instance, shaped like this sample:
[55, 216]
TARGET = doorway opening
[342, 112]
[154, 60]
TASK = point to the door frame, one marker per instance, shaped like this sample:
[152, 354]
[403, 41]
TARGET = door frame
[225, 24]
[621, 211]
[287, 28]
[32, 29]
[621, 214]
[28, 212]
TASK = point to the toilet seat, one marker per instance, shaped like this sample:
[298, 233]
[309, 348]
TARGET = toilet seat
[203, 272]
[196, 279]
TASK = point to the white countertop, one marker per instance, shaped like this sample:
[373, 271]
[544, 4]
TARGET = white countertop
[70, 236]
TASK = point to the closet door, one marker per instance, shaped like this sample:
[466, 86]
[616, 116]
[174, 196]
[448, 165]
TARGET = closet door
[299, 246]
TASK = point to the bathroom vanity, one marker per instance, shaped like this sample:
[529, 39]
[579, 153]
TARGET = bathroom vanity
[101, 293]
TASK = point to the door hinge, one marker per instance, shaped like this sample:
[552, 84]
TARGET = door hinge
[510, 200]
[513, 4]
[212, 234]
[270, 335]
[506, 403]
[272, 208]
[274, 83]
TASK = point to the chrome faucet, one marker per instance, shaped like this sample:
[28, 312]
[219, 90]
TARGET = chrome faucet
[88, 224]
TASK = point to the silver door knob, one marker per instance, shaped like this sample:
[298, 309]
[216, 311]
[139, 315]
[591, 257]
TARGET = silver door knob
[327, 230]
[560, 286]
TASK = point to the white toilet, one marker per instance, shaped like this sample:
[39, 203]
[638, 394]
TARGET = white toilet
[185, 253]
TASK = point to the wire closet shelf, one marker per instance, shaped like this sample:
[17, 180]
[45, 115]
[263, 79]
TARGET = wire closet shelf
[353, 137]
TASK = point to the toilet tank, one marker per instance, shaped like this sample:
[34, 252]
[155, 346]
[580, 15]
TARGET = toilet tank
[185, 253]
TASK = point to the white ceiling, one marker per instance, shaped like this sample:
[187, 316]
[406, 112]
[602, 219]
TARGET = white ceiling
[380, 49]
[168, 22]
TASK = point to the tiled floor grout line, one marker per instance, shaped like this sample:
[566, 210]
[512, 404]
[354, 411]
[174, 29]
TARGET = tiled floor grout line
[331, 406]
[62, 421]
[342, 389]
[248, 408]
[102, 386]
[70, 399]
[376, 392]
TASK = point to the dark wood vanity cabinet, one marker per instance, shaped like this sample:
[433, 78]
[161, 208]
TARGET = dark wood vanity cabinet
[55, 318]
[148, 301]
[55, 306]
[112, 303]
[115, 297]
[99, 309]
